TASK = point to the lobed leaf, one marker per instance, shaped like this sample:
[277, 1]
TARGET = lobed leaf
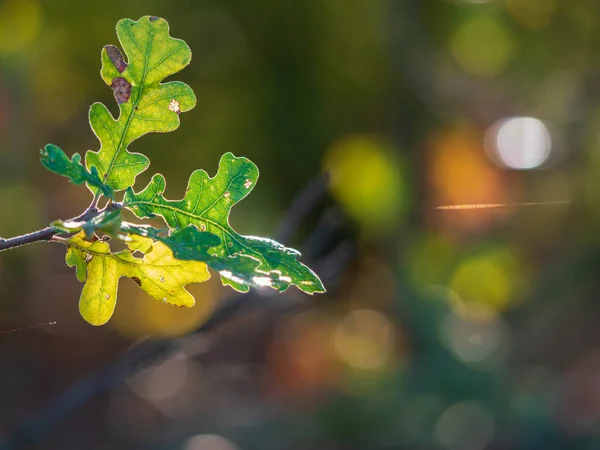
[206, 205]
[55, 160]
[145, 104]
[158, 273]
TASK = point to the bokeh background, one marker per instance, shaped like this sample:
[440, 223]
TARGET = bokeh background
[442, 329]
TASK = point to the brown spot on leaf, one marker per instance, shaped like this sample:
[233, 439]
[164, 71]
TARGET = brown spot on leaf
[116, 57]
[175, 306]
[121, 89]
[137, 281]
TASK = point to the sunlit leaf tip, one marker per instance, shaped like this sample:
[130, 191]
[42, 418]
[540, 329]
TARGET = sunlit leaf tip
[145, 104]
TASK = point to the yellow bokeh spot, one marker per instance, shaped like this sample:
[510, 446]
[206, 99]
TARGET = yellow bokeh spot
[482, 46]
[367, 180]
[491, 278]
[20, 22]
[364, 339]
[534, 14]
[471, 311]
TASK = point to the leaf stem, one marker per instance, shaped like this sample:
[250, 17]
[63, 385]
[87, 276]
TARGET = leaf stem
[95, 200]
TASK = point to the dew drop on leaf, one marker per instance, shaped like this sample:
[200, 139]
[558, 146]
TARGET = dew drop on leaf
[107, 296]
[248, 183]
[162, 278]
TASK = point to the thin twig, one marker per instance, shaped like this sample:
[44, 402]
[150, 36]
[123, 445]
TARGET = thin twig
[96, 200]
[47, 233]
[41, 235]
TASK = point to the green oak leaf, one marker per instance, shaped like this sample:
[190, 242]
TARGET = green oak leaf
[158, 273]
[145, 104]
[55, 160]
[206, 205]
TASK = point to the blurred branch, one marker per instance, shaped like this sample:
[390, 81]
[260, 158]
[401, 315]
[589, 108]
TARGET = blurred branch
[301, 206]
[330, 266]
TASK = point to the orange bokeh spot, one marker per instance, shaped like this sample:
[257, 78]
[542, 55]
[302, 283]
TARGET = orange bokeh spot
[302, 359]
[459, 172]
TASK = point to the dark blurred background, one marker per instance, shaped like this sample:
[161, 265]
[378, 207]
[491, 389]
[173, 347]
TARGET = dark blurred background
[442, 329]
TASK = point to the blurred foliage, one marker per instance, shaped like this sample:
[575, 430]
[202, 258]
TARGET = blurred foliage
[450, 329]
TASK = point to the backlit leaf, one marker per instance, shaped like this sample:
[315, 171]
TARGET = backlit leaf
[206, 205]
[158, 273]
[145, 104]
